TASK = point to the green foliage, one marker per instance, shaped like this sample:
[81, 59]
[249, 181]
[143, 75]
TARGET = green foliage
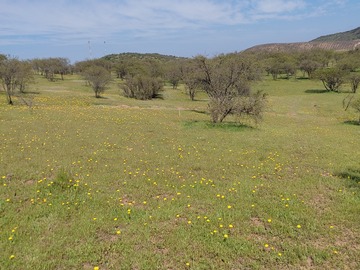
[354, 80]
[191, 78]
[98, 77]
[309, 66]
[353, 34]
[63, 180]
[281, 63]
[142, 87]
[204, 195]
[332, 78]
[173, 72]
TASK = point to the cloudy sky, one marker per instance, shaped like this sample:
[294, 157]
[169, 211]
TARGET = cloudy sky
[82, 29]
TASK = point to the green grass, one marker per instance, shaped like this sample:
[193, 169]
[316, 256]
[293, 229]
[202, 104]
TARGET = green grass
[126, 184]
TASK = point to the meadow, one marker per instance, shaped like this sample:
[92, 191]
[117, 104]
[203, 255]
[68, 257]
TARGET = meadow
[117, 183]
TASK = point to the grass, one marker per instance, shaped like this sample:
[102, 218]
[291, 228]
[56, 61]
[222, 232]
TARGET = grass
[116, 183]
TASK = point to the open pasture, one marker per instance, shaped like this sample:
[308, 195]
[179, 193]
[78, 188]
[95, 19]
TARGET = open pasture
[118, 183]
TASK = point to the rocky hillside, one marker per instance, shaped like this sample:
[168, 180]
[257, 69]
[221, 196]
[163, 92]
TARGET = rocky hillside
[345, 41]
[343, 36]
[302, 46]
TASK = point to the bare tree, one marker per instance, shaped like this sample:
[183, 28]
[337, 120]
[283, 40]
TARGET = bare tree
[98, 77]
[24, 75]
[14, 74]
[190, 77]
[226, 79]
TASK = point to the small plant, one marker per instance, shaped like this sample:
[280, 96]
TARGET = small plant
[63, 180]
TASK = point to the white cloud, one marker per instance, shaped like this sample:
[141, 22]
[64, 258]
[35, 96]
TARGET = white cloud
[66, 20]
[279, 6]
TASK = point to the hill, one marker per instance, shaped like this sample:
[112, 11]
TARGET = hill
[343, 36]
[140, 56]
[303, 46]
[345, 41]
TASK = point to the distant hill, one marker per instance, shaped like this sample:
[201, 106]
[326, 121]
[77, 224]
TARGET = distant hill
[303, 46]
[140, 56]
[343, 36]
[345, 41]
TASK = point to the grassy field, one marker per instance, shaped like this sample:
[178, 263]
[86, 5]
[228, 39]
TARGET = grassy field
[115, 183]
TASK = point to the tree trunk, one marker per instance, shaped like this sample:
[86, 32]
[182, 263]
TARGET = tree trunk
[8, 96]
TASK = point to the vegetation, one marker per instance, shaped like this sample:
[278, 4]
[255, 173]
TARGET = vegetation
[226, 80]
[142, 87]
[332, 78]
[356, 105]
[14, 76]
[82, 185]
[348, 35]
[354, 80]
[98, 77]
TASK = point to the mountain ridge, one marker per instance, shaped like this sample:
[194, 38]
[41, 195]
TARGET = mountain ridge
[353, 34]
[342, 41]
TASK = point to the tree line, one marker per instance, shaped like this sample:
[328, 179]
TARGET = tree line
[226, 78]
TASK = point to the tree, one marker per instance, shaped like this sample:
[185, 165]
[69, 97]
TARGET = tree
[354, 80]
[120, 69]
[281, 63]
[14, 74]
[24, 75]
[332, 78]
[226, 79]
[98, 78]
[49, 67]
[309, 66]
[348, 61]
[190, 77]
[142, 87]
[173, 72]
[81, 66]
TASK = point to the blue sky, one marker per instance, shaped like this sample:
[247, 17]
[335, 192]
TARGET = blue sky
[83, 29]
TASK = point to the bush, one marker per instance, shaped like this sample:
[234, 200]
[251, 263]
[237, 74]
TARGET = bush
[332, 78]
[142, 87]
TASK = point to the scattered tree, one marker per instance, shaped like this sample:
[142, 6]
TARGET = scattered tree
[142, 87]
[98, 78]
[309, 66]
[332, 78]
[173, 73]
[190, 78]
[354, 80]
[14, 75]
[226, 79]
[24, 75]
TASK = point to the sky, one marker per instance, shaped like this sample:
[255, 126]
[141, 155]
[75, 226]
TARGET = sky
[87, 29]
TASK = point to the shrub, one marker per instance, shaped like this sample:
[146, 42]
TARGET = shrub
[142, 87]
